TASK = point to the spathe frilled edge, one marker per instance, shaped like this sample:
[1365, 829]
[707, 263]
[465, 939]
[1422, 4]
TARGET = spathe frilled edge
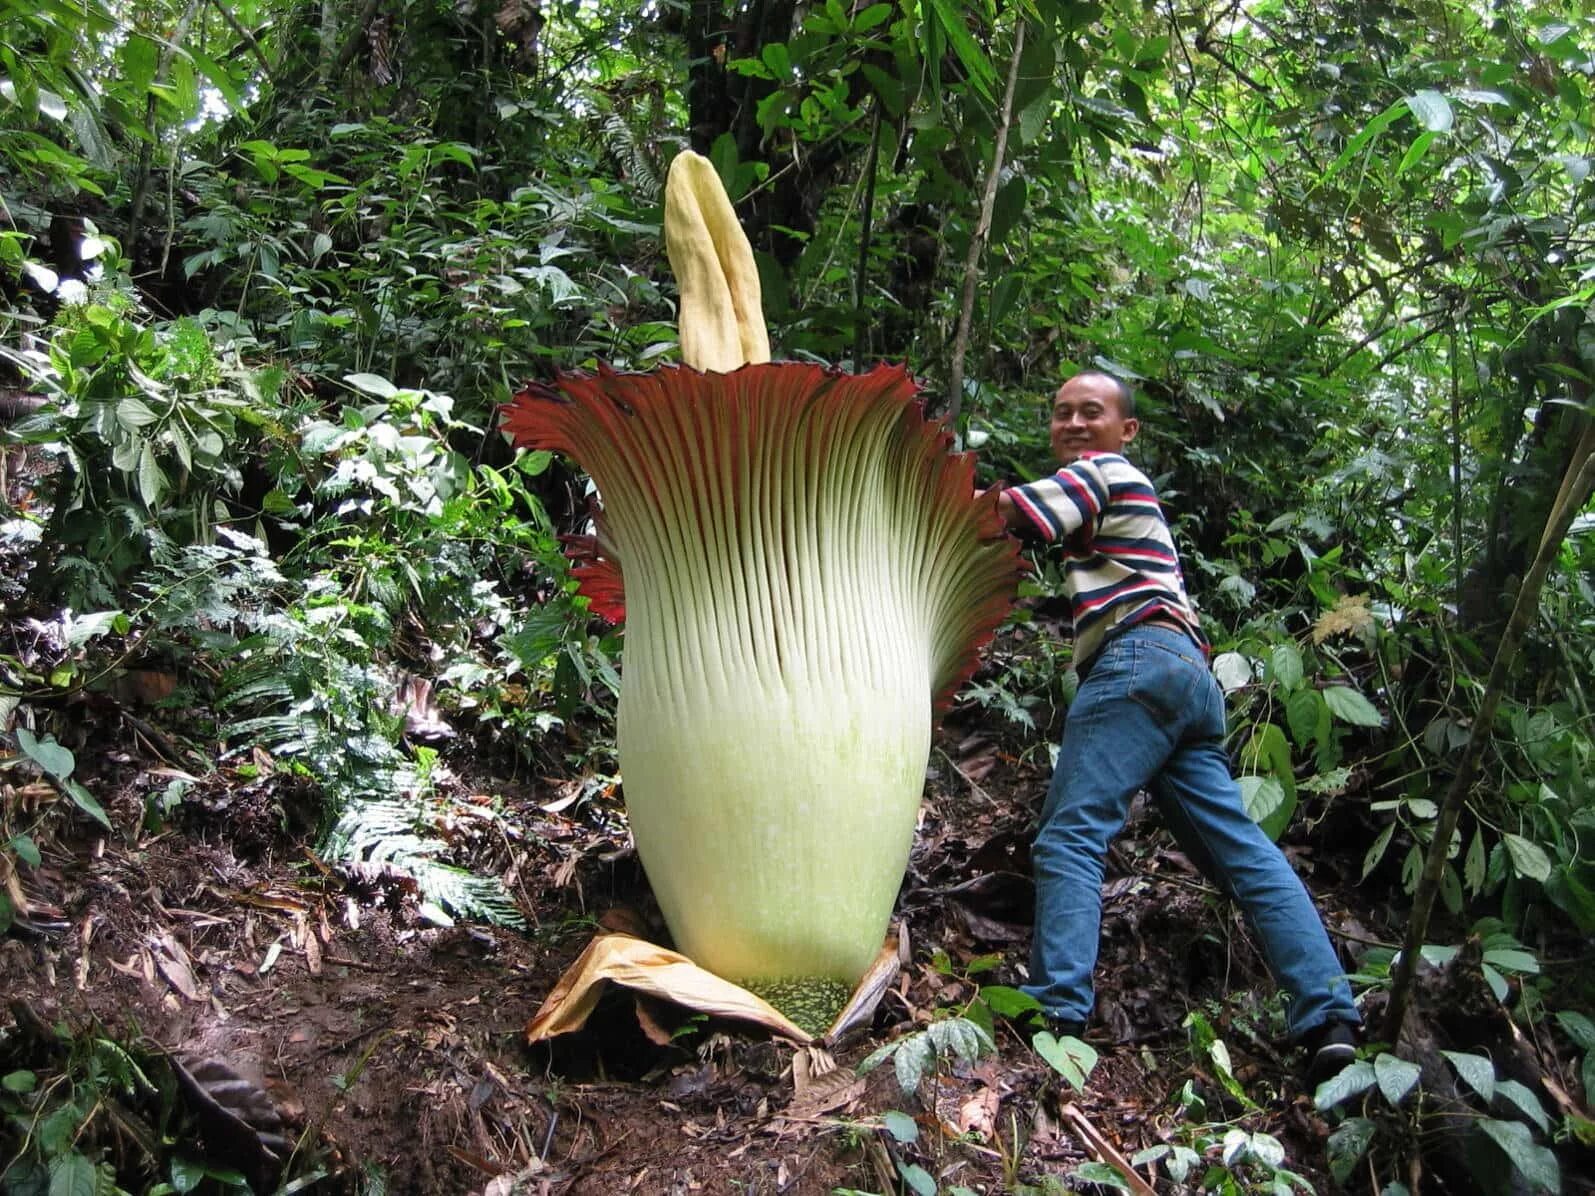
[609, 419]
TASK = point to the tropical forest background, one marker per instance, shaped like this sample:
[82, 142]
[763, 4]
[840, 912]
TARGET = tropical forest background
[269, 269]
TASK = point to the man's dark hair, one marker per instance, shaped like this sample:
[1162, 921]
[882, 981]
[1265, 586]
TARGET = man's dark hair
[1126, 395]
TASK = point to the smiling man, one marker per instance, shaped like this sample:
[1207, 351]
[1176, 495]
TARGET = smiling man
[1148, 714]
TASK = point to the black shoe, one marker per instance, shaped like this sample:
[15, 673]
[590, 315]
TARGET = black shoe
[1330, 1048]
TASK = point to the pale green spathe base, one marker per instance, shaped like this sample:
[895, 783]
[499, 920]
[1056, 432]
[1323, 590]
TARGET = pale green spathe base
[787, 860]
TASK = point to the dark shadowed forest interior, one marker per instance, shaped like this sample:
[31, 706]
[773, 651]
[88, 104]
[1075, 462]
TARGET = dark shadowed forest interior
[313, 758]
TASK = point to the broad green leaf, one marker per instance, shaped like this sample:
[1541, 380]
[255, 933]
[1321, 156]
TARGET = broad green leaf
[140, 57]
[1432, 109]
[372, 384]
[1303, 711]
[723, 153]
[151, 481]
[1266, 1149]
[872, 16]
[84, 800]
[961, 1038]
[1524, 1100]
[19, 1081]
[187, 1174]
[778, 59]
[1101, 1174]
[1371, 859]
[1008, 208]
[917, 1178]
[1510, 960]
[1008, 1002]
[1534, 1163]
[1486, 96]
[888, 88]
[1271, 803]
[126, 454]
[46, 753]
[1033, 117]
[1415, 152]
[1477, 1072]
[73, 1175]
[219, 77]
[1349, 706]
[914, 1057]
[900, 1125]
[1181, 1162]
[1071, 1058]
[875, 1058]
[1474, 868]
[1496, 981]
[180, 446]
[51, 105]
[1363, 140]
[133, 412]
[1348, 1144]
[26, 850]
[1285, 665]
[1345, 1084]
[1232, 670]
[1578, 1027]
[1528, 858]
[1265, 802]
[950, 17]
[1396, 1076]
[94, 624]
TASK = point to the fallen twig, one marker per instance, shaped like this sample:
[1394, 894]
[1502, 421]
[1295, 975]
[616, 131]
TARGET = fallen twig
[1105, 1151]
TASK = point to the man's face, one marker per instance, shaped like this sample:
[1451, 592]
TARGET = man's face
[1086, 417]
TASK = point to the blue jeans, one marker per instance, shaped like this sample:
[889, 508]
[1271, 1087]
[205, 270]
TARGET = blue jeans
[1148, 714]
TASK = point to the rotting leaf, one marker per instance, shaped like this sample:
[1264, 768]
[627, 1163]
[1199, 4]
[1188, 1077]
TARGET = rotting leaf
[172, 960]
[240, 1122]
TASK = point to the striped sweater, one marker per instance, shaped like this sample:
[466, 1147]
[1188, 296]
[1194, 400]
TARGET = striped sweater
[1120, 567]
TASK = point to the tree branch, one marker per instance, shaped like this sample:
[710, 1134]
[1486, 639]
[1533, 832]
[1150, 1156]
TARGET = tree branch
[862, 278]
[146, 153]
[977, 240]
[1577, 483]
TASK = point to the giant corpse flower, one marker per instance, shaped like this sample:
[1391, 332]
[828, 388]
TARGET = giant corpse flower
[805, 578]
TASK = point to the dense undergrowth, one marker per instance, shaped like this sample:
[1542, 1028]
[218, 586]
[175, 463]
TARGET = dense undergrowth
[261, 304]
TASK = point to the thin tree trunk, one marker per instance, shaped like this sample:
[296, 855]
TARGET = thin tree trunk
[1577, 484]
[146, 153]
[326, 68]
[861, 279]
[977, 242]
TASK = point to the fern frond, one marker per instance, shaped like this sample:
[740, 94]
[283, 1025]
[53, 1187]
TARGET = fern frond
[636, 165]
[386, 834]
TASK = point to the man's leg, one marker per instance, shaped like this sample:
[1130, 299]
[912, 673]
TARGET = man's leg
[1202, 805]
[1112, 745]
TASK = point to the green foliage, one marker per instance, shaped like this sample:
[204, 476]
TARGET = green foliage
[61, 1122]
[271, 293]
[1071, 1057]
[1217, 1156]
[921, 1051]
[1396, 1099]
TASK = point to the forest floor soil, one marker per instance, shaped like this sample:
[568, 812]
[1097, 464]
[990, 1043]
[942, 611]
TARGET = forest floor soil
[393, 1050]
